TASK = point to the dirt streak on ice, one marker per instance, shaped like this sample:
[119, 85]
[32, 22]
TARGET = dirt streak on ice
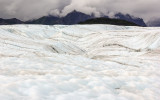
[79, 62]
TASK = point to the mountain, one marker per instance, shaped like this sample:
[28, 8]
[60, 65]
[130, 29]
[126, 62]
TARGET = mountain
[10, 21]
[46, 20]
[70, 19]
[75, 17]
[127, 17]
[108, 21]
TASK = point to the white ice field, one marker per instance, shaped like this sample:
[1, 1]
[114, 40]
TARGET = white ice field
[79, 62]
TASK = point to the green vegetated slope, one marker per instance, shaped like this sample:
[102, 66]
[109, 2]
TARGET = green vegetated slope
[108, 21]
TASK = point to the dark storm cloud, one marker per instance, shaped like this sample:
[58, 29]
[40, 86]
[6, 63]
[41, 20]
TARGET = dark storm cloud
[29, 9]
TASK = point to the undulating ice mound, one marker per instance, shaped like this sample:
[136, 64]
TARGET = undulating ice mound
[79, 62]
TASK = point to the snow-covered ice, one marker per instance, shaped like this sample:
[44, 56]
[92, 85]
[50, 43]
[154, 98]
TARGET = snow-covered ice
[79, 62]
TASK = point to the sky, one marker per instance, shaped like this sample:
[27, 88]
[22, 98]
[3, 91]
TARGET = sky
[32, 9]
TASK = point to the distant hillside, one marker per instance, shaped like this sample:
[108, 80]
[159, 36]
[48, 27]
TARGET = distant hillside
[70, 19]
[75, 17]
[108, 21]
[46, 20]
[129, 18]
[10, 21]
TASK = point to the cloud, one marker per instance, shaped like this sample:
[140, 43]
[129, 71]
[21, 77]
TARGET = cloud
[30, 9]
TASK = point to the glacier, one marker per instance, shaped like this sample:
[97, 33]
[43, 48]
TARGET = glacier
[79, 62]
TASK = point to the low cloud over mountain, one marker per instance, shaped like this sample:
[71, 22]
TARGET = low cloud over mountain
[31, 9]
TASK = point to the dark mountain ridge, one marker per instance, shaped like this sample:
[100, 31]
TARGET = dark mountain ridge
[127, 17]
[72, 18]
[10, 21]
[104, 20]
